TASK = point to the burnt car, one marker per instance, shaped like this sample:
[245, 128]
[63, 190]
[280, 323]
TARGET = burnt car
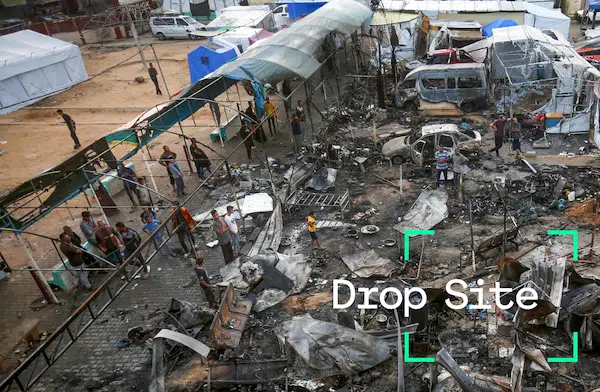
[421, 146]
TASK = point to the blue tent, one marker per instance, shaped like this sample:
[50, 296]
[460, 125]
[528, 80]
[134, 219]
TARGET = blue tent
[208, 58]
[297, 9]
[486, 31]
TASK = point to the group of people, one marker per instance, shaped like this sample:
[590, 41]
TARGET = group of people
[134, 185]
[442, 164]
[227, 232]
[506, 129]
[252, 129]
[168, 159]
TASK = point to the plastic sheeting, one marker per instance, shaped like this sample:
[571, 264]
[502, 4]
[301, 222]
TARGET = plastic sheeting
[34, 66]
[543, 18]
[428, 210]
[368, 263]
[486, 31]
[327, 346]
[293, 52]
[323, 179]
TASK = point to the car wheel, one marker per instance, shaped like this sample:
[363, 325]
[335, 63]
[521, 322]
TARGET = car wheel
[468, 106]
[161, 36]
[398, 160]
[190, 36]
[410, 106]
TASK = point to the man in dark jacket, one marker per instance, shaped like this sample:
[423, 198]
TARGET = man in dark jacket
[256, 128]
[75, 258]
[132, 241]
[246, 136]
[154, 77]
[205, 282]
[200, 159]
[72, 128]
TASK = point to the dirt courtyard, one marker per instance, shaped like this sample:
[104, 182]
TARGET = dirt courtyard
[34, 139]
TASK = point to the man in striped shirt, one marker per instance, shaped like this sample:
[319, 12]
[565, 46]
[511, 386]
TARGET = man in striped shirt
[441, 165]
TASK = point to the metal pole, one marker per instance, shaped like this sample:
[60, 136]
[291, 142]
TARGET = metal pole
[591, 254]
[137, 40]
[400, 354]
[185, 146]
[150, 171]
[237, 203]
[40, 276]
[312, 127]
[99, 205]
[471, 229]
[162, 75]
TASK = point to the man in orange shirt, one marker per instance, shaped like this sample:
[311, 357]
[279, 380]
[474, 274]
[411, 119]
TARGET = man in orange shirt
[271, 116]
[183, 228]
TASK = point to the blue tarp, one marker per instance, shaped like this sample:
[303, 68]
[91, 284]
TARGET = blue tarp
[208, 58]
[486, 31]
[297, 9]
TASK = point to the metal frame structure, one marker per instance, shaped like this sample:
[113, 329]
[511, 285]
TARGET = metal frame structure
[128, 15]
[30, 370]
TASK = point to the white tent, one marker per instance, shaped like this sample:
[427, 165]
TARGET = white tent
[543, 18]
[34, 66]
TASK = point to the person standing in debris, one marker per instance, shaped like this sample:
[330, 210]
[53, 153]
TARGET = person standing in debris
[246, 136]
[129, 183]
[498, 127]
[164, 160]
[441, 165]
[154, 77]
[515, 134]
[72, 127]
[179, 226]
[459, 166]
[301, 118]
[271, 116]
[150, 228]
[222, 231]
[286, 90]
[177, 174]
[233, 230]
[311, 225]
[216, 113]
[75, 257]
[296, 135]
[205, 282]
[132, 241]
[109, 241]
[200, 159]
[257, 128]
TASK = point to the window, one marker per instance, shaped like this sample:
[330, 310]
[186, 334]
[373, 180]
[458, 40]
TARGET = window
[278, 10]
[169, 21]
[470, 83]
[157, 22]
[190, 20]
[434, 84]
[429, 148]
[446, 141]
[441, 59]
[181, 22]
[451, 82]
[409, 84]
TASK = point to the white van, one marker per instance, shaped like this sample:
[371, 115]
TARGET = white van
[178, 26]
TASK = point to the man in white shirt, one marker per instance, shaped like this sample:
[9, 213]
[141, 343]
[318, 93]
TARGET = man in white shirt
[233, 230]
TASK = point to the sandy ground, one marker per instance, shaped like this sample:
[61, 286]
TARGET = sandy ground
[35, 139]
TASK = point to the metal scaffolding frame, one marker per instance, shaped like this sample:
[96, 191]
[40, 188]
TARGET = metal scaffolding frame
[49, 352]
[134, 16]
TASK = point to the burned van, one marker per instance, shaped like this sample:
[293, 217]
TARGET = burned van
[462, 84]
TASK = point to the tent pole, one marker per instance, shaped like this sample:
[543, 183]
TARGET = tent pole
[49, 293]
[150, 171]
[162, 75]
[137, 40]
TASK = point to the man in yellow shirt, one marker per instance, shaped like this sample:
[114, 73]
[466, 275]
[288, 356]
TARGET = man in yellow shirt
[311, 224]
[271, 116]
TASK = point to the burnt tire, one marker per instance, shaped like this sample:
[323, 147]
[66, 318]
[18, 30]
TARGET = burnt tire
[398, 160]
[468, 106]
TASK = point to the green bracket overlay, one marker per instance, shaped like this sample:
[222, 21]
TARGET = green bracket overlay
[575, 235]
[575, 356]
[407, 357]
[408, 233]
